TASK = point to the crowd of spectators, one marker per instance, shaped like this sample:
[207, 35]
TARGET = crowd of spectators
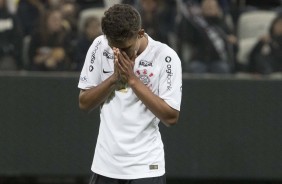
[44, 35]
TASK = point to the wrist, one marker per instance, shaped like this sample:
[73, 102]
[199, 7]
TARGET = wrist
[132, 81]
[113, 79]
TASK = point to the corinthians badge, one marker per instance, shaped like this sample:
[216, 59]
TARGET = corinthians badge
[144, 76]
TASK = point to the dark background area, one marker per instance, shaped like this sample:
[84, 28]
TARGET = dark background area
[229, 131]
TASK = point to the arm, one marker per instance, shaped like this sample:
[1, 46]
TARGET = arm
[154, 103]
[95, 96]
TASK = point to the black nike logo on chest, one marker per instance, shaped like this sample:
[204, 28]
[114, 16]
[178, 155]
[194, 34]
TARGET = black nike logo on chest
[105, 71]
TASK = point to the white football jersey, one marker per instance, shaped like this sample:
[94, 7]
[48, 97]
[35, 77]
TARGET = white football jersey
[129, 144]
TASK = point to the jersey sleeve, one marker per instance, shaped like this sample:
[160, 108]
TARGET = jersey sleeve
[170, 84]
[90, 75]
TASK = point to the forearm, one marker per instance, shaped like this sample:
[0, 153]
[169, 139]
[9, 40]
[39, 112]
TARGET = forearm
[93, 97]
[154, 103]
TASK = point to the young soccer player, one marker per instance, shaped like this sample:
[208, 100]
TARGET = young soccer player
[137, 82]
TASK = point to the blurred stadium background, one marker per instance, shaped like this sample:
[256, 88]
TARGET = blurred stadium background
[229, 129]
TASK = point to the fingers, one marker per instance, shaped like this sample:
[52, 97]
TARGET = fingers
[118, 57]
[116, 63]
[126, 59]
[119, 70]
[125, 56]
[123, 63]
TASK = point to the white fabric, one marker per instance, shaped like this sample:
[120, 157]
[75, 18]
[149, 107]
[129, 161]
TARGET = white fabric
[129, 141]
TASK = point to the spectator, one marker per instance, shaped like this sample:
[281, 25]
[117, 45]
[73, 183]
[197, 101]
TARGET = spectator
[262, 4]
[53, 4]
[131, 2]
[158, 18]
[212, 43]
[50, 44]
[10, 40]
[85, 4]
[69, 11]
[28, 13]
[91, 30]
[266, 56]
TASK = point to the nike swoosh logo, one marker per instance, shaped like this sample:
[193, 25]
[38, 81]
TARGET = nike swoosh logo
[104, 71]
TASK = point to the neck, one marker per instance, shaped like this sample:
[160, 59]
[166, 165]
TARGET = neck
[143, 44]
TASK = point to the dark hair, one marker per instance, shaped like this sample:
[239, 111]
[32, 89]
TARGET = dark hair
[120, 22]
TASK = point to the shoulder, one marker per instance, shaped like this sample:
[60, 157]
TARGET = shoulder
[98, 42]
[95, 49]
[98, 45]
[165, 53]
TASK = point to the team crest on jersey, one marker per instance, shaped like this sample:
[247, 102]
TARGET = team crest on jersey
[144, 76]
[108, 55]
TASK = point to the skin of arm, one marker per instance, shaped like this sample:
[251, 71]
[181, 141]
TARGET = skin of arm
[154, 103]
[91, 98]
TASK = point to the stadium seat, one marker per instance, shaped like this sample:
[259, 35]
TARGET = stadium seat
[254, 23]
[84, 14]
[98, 12]
[109, 3]
[251, 26]
[245, 47]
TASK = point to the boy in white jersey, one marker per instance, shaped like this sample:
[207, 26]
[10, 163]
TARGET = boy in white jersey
[137, 83]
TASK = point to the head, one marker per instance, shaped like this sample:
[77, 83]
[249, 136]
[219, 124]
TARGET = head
[69, 9]
[92, 27]
[149, 5]
[121, 24]
[2, 3]
[54, 3]
[276, 26]
[276, 30]
[54, 20]
[211, 8]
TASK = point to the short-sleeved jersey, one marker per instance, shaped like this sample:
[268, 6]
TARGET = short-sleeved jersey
[129, 144]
